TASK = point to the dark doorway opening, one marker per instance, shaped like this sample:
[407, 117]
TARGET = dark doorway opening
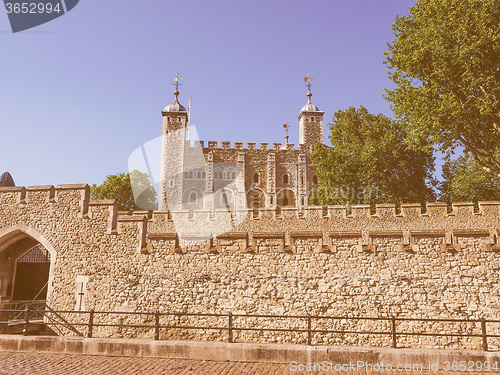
[32, 274]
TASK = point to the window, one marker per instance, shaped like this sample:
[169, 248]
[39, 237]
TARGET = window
[190, 174]
[224, 199]
[255, 201]
[315, 180]
[171, 182]
[203, 175]
[198, 175]
[233, 175]
[285, 200]
[81, 292]
[303, 201]
[285, 178]
[193, 197]
[302, 180]
[271, 199]
[256, 178]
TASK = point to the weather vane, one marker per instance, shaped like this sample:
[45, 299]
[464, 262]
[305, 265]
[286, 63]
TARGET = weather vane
[285, 128]
[176, 82]
[308, 81]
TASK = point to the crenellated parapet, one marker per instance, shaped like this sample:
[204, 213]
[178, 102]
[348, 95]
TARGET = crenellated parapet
[331, 229]
[250, 146]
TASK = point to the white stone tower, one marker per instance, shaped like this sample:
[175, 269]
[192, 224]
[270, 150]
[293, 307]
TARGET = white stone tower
[175, 119]
[310, 121]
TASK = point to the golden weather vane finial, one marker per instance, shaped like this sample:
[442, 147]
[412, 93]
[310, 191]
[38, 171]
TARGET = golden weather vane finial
[176, 82]
[308, 81]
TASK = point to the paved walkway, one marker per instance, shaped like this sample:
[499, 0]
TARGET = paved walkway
[60, 364]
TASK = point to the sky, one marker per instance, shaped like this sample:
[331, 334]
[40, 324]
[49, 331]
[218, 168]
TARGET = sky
[80, 93]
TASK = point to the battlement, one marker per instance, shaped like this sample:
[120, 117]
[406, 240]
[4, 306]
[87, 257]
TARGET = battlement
[73, 202]
[250, 146]
[80, 194]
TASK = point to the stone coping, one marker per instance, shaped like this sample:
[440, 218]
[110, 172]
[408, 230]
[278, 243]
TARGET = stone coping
[236, 352]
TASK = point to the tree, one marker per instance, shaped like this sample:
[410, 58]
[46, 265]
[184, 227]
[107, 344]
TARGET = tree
[370, 163]
[445, 61]
[122, 186]
[464, 181]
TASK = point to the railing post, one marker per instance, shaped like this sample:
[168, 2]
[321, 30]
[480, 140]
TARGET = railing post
[157, 325]
[91, 323]
[393, 330]
[26, 320]
[230, 328]
[309, 333]
[485, 336]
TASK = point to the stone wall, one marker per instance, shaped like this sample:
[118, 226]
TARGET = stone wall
[436, 264]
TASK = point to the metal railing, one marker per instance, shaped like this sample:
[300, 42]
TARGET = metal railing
[394, 332]
[19, 307]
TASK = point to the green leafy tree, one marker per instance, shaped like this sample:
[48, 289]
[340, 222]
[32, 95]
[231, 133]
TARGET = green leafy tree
[465, 181]
[122, 186]
[445, 61]
[369, 162]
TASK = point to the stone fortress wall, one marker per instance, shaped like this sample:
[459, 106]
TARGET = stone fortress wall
[436, 264]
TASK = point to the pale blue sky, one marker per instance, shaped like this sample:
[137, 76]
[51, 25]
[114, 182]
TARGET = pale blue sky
[79, 94]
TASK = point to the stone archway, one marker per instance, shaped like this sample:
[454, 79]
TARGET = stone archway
[17, 242]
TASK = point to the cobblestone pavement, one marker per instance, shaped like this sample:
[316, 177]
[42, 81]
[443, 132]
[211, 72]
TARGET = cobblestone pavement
[61, 364]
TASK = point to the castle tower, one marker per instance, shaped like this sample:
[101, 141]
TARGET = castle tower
[175, 119]
[310, 121]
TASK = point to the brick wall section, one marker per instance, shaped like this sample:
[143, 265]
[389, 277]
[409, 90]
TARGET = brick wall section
[432, 265]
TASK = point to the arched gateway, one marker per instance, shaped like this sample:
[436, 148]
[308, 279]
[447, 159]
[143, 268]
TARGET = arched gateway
[27, 261]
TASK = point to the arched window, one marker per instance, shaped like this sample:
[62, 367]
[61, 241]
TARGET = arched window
[224, 199]
[193, 197]
[285, 178]
[186, 174]
[271, 199]
[303, 201]
[302, 180]
[198, 175]
[203, 175]
[315, 180]
[256, 178]
[190, 174]
[233, 175]
[285, 200]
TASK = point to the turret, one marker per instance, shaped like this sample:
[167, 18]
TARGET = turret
[310, 121]
[175, 119]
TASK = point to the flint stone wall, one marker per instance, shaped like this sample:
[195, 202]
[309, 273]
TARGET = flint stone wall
[408, 265]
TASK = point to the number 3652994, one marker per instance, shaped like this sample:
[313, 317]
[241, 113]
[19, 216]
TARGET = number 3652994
[27, 8]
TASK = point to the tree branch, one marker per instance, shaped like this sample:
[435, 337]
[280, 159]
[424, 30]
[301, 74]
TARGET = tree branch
[478, 154]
